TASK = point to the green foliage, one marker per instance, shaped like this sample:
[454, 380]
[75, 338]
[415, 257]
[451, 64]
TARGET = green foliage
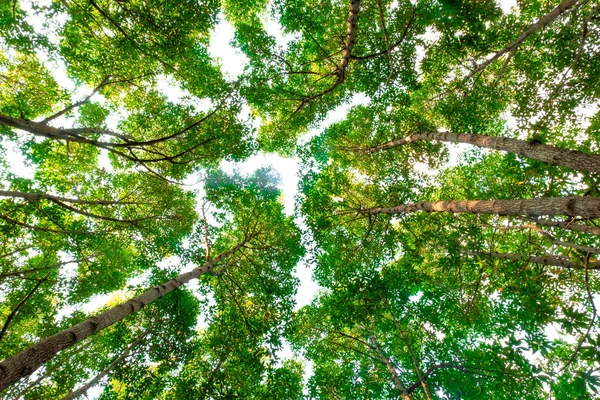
[412, 305]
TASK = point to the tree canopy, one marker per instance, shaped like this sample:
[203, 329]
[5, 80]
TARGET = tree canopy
[450, 219]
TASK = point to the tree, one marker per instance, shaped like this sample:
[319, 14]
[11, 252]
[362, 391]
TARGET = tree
[249, 229]
[568, 158]
[115, 119]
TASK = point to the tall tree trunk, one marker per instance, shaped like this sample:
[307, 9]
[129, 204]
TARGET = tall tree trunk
[562, 262]
[573, 159]
[584, 206]
[81, 391]
[340, 69]
[27, 361]
[350, 37]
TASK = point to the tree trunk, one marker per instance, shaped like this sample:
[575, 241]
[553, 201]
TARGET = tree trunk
[340, 69]
[562, 262]
[350, 37]
[81, 391]
[27, 361]
[573, 159]
[584, 206]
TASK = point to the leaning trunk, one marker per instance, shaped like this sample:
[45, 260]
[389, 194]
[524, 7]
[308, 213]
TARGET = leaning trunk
[584, 206]
[573, 159]
[27, 361]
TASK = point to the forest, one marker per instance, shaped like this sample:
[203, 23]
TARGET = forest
[449, 218]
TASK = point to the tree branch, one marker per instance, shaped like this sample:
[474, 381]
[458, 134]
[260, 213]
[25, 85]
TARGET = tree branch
[21, 303]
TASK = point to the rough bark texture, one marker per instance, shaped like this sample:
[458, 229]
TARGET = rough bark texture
[533, 28]
[562, 262]
[27, 361]
[340, 70]
[584, 206]
[573, 159]
[350, 38]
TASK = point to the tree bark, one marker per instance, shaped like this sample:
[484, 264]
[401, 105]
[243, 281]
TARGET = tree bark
[350, 38]
[81, 391]
[573, 159]
[562, 262]
[584, 206]
[340, 69]
[27, 361]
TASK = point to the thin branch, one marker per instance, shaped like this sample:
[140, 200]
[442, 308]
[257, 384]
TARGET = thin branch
[405, 394]
[412, 354]
[77, 104]
[21, 303]
[594, 316]
[533, 28]
[431, 370]
[29, 271]
[389, 47]
[205, 229]
[82, 390]
[387, 39]
[551, 238]
[54, 198]
[43, 229]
